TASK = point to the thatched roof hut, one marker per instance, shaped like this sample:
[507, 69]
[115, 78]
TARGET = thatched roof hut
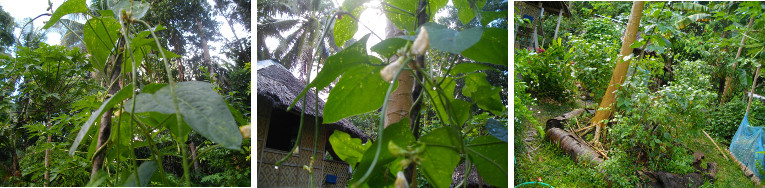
[277, 85]
[474, 180]
[278, 131]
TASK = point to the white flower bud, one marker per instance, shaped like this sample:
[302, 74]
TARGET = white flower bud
[389, 71]
[422, 42]
[401, 180]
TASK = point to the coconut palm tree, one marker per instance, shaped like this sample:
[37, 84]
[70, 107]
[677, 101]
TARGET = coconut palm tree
[298, 26]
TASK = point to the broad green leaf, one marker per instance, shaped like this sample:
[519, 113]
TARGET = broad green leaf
[469, 67]
[400, 134]
[68, 7]
[447, 86]
[490, 157]
[465, 12]
[100, 35]
[460, 110]
[638, 44]
[348, 149]
[153, 87]
[388, 47]
[137, 9]
[162, 121]
[336, 65]
[403, 20]
[361, 89]
[353, 4]
[237, 115]
[145, 171]
[448, 40]
[93, 142]
[201, 107]
[346, 27]
[482, 93]
[436, 5]
[439, 162]
[492, 48]
[497, 129]
[489, 16]
[108, 104]
[98, 179]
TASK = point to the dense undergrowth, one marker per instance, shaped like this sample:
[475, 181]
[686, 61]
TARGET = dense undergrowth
[675, 89]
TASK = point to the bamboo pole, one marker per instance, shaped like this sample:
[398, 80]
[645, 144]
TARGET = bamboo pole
[713, 142]
[560, 14]
[751, 92]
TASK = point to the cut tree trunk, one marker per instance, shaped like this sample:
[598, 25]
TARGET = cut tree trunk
[620, 72]
[557, 122]
[729, 79]
[574, 146]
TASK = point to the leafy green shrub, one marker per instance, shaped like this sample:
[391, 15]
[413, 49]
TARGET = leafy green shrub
[547, 72]
[648, 122]
[601, 29]
[593, 61]
[724, 120]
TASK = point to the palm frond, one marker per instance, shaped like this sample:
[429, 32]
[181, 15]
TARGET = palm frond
[274, 8]
[691, 7]
[688, 20]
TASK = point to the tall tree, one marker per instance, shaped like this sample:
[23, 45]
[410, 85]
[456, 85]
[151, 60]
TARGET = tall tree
[296, 49]
[729, 79]
[606, 107]
[187, 23]
[6, 30]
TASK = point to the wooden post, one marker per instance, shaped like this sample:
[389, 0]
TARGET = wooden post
[560, 14]
[751, 92]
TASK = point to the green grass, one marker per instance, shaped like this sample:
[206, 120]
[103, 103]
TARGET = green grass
[556, 168]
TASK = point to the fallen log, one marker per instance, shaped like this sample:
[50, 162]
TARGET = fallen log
[576, 148]
[557, 122]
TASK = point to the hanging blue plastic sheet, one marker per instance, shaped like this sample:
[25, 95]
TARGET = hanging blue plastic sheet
[746, 143]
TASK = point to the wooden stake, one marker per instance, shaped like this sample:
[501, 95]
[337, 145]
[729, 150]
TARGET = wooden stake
[718, 147]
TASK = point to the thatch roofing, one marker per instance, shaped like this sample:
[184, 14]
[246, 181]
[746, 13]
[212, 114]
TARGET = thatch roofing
[277, 85]
[555, 6]
[474, 180]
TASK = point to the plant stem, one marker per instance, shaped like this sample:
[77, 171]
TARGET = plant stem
[186, 176]
[157, 154]
[126, 29]
[488, 159]
[380, 128]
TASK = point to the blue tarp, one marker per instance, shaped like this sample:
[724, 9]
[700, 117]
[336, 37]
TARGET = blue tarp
[746, 143]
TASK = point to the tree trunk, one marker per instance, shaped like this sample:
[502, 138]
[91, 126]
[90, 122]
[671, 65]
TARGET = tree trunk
[193, 149]
[560, 14]
[231, 26]
[106, 119]
[414, 115]
[206, 50]
[47, 157]
[400, 100]
[179, 61]
[729, 79]
[751, 92]
[620, 71]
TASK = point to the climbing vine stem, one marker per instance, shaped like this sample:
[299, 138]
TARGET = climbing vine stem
[186, 175]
